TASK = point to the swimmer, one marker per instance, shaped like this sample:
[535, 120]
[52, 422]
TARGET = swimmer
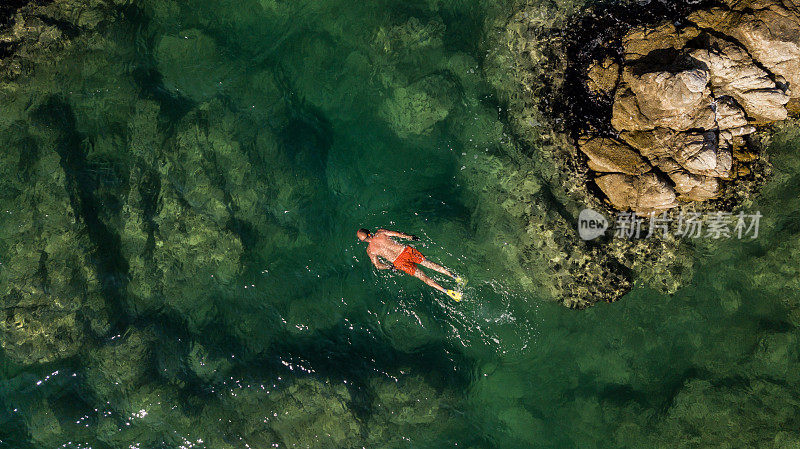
[403, 257]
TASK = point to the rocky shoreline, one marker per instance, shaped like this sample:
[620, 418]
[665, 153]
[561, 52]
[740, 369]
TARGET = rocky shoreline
[654, 110]
[684, 100]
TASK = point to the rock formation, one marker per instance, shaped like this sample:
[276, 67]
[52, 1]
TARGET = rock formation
[685, 98]
[654, 108]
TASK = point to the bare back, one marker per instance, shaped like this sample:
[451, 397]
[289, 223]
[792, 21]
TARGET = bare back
[382, 245]
[403, 258]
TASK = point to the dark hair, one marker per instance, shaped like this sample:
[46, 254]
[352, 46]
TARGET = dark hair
[365, 231]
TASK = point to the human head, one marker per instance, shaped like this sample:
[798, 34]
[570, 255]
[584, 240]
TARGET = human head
[363, 234]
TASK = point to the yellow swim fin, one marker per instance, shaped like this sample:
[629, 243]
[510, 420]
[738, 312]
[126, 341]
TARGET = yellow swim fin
[454, 294]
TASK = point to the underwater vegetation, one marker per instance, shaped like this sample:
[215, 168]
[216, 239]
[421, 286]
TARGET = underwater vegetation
[179, 185]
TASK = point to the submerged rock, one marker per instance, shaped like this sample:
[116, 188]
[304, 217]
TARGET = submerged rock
[175, 216]
[312, 412]
[415, 109]
[59, 274]
[43, 424]
[50, 291]
[191, 64]
[121, 365]
[698, 406]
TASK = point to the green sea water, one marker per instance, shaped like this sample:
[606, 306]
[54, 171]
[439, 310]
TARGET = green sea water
[186, 180]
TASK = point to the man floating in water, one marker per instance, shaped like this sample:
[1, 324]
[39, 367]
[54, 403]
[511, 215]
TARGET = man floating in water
[403, 257]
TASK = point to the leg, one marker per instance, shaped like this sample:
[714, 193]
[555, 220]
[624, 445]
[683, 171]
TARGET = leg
[421, 276]
[434, 266]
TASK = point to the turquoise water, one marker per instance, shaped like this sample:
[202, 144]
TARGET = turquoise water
[182, 187]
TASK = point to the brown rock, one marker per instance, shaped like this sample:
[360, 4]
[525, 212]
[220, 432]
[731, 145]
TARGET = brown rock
[668, 94]
[769, 30]
[642, 41]
[645, 193]
[696, 152]
[685, 99]
[712, 18]
[699, 153]
[626, 114]
[654, 144]
[728, 114]
[678, 101]
[727, 136]
[793, 106]
[734, 73]
[690, 186]
[603, 77]
[611, 155]
[772, 36]
[742, 171]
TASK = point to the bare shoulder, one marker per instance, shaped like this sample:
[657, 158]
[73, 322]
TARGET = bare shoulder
[370, 251]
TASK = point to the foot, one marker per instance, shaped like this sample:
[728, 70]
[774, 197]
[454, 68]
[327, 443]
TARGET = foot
[454, 294]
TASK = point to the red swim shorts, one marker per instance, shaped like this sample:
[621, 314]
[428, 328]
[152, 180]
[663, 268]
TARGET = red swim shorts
[408, 260]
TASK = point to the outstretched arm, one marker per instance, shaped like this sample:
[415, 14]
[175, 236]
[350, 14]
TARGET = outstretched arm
[397, 234]
[378, 264]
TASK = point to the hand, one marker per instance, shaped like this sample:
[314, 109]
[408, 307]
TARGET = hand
[414, 238]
